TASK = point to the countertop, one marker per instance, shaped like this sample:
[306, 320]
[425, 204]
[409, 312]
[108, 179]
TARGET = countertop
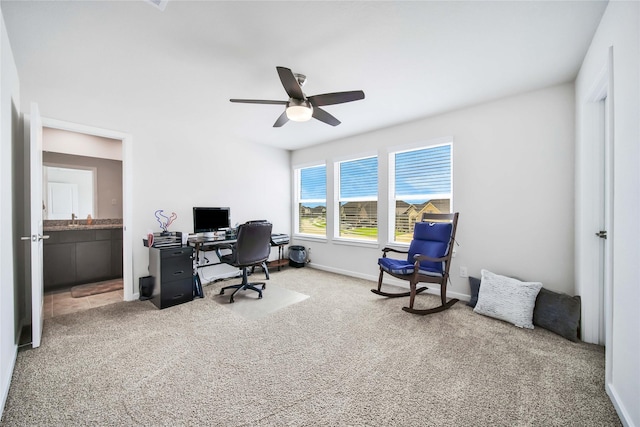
[81, 224]
[81, 227]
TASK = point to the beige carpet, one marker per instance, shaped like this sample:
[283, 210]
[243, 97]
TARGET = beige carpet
[342, 357]
[80, 291]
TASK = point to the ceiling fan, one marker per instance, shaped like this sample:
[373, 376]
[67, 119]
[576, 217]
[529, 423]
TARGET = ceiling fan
[300, 107]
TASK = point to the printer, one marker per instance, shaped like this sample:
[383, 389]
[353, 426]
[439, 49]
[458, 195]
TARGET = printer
[279, 239]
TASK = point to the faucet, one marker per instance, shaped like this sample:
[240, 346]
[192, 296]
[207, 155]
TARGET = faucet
[73, 219]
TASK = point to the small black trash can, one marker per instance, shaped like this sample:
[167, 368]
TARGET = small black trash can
[297, 256]
[146, 287]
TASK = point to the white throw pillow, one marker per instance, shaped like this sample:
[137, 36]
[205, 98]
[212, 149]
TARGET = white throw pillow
[507, 299]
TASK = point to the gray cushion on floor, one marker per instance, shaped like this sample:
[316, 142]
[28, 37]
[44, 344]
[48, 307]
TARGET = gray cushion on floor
[559, 313]
[474, 284]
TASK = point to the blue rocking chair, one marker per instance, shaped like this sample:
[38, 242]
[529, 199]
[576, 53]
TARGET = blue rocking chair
[428, 261]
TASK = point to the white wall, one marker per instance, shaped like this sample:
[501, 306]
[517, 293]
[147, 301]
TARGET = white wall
[80, 144]
[178, 165]
[620, 29]
[512, 184]
[178, 168]
[9, 90]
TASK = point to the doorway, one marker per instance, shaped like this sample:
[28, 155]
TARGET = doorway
[595, 212]
[124, 202]
[604, 233]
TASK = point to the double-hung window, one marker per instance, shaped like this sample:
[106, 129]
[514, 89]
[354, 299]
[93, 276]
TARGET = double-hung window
[421, 182]
[357, 207]
[311, 200]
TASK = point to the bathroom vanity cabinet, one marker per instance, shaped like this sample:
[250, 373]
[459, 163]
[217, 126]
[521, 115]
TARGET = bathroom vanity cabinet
[74, 257]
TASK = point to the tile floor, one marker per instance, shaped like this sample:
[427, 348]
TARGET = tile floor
[61, 302]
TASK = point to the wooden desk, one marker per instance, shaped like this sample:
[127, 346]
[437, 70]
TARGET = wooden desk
[281, 261]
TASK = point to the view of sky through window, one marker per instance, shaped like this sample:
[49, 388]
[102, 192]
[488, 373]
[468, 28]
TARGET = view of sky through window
[422, 183]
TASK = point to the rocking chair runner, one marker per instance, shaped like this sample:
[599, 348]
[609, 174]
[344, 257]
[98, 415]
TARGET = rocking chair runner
[428, 261]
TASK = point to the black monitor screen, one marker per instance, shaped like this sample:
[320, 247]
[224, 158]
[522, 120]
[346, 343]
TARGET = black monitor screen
[210, 219]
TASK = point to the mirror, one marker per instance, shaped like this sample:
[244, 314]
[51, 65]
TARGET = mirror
[82, 174]
[68, 191]
[81, 185]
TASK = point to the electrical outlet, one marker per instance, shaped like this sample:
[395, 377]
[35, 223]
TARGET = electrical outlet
[464, 272]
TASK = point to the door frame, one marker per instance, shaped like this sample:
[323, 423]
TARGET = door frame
[35, 224]
[595, 257]
[127, 192]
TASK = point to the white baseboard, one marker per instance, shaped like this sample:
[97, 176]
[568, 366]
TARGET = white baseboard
[390, 281]
[624, 415]
[7, 375]
[343, 272]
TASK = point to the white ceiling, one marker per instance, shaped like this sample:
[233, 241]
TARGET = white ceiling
[183, 64]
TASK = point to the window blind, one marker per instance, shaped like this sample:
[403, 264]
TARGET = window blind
[359, 179]
[313, 183]
[423, 174]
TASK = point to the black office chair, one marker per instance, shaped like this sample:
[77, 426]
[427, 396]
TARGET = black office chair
[252, 248]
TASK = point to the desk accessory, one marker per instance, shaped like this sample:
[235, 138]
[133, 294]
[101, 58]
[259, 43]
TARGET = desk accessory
[165, 221]
[166, 239]
[279, 239]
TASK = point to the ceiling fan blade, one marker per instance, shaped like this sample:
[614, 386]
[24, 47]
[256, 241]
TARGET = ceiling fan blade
[290, 83]
[258, 101]
[335, 98]
[281, 120]
[323, 116]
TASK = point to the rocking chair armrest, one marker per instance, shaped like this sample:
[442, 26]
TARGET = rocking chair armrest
[385, 250]
[418, 258]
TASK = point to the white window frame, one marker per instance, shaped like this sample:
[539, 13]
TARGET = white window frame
[337, 200]
[298, 200]
[416, 146]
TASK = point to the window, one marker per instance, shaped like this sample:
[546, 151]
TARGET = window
[422, 182]
[311, 200]
[358, 199]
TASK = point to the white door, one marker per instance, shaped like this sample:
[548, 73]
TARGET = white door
[606, 338]
[605, 227]
[36, 226]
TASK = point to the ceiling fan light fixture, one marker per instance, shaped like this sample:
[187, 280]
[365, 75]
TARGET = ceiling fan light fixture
[299, 110]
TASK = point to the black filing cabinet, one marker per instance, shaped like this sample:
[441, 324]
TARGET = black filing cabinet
[172, 270]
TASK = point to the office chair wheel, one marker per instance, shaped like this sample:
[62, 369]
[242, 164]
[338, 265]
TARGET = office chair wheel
[231, 300]
[221, 292]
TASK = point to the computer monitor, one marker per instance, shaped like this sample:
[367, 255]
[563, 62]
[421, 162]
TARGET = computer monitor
[209, 220]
